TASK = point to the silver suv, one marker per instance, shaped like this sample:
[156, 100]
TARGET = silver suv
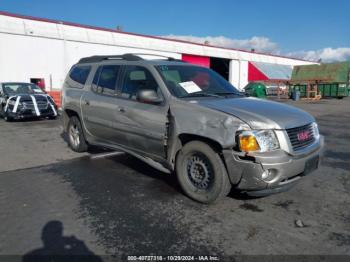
[187, 119]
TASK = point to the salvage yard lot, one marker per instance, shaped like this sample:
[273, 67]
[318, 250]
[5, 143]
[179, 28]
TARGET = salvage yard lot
[121, 206]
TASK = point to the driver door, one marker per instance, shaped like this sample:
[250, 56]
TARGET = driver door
[144, 124]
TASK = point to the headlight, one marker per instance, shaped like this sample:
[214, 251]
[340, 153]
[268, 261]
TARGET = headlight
[258, 141]
[12, 102]
[315, 130]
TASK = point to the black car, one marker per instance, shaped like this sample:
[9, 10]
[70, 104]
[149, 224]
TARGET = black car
[25, 100]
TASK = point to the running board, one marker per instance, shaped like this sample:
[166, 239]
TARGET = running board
[104, 155]
[147, 160]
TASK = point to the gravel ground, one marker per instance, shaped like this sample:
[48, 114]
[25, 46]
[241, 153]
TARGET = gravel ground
[120, 206]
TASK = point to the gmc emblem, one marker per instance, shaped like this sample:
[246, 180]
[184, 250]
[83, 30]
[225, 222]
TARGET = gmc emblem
[302, 136]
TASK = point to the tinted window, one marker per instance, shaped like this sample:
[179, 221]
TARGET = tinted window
[136, 79]
[105, 79]
[80, 74]
[95, 80]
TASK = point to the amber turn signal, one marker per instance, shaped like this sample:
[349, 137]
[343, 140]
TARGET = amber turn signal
[248, 143]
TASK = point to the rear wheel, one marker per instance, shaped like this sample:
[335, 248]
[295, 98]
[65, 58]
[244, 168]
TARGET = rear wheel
[201, 173]
[76, 139]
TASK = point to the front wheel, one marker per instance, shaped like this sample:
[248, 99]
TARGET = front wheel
[76, 139]
[201, 173]
[7, 118]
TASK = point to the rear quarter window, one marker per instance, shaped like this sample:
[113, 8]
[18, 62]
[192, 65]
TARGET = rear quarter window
[79, 75]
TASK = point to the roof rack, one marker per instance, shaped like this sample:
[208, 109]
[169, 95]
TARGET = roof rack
[127, 57]
[100, 58]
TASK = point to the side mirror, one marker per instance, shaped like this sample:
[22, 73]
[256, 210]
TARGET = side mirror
[148, 96]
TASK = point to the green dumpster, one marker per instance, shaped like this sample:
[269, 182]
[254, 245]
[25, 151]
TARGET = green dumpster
[332, 79]
[256, 90]
[338, 90]
[334, 90]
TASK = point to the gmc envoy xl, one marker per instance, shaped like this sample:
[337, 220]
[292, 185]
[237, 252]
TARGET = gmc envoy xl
[187, 119]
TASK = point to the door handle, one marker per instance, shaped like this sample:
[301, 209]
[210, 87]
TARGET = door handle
[87, 102]
[121, 109]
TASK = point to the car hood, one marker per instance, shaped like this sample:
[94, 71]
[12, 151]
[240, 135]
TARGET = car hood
[29, 96]
[259, 113]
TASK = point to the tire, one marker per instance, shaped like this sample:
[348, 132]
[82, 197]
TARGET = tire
[201, 173]
[76, 138]
[6, 117]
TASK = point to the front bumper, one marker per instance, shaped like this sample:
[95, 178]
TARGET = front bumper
[245, 172]
[28, 113]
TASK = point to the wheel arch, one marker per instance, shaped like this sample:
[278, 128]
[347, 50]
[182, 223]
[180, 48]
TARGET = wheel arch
[67, 114]
[184, 138]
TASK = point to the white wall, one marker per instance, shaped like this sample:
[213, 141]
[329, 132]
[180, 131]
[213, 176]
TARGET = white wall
[238, 73]
[22, 58]
[25, 57]
[37, 49]
[234, 73]
[243, 74]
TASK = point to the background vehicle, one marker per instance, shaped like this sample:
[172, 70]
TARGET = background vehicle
[25, 100]
[187, 119]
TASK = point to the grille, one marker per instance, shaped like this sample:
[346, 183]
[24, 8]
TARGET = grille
[294, 140]
[41, 105]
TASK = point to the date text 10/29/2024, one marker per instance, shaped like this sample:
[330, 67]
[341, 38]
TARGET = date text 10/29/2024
[173, 258]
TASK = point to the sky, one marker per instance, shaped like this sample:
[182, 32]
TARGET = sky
[309, 29]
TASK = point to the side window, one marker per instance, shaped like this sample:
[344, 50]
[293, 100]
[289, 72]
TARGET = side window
[137, 78]
[79, 74]
[105, 79]
[95, 80]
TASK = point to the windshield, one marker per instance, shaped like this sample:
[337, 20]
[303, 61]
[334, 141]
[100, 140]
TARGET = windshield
[21, 88]
[190, 81]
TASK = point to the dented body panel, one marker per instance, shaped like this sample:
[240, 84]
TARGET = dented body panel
[191, 117]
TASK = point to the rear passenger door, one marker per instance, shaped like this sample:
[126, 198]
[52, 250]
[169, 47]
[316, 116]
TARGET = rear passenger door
[99, 105]
[144, 124]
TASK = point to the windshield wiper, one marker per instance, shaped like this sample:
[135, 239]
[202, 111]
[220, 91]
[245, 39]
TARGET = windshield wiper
[228, 94]
[200, 95]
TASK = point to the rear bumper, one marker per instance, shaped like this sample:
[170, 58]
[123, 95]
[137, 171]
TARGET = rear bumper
[246, 172]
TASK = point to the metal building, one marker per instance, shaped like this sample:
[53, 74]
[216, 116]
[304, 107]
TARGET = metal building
[42, 51]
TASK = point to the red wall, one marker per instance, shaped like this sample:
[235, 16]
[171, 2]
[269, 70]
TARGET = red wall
[197, 60]
[56, 95]
[254, 74]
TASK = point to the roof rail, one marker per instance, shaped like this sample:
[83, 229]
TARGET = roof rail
[100, 58]
[127, 57]
[163, 56]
